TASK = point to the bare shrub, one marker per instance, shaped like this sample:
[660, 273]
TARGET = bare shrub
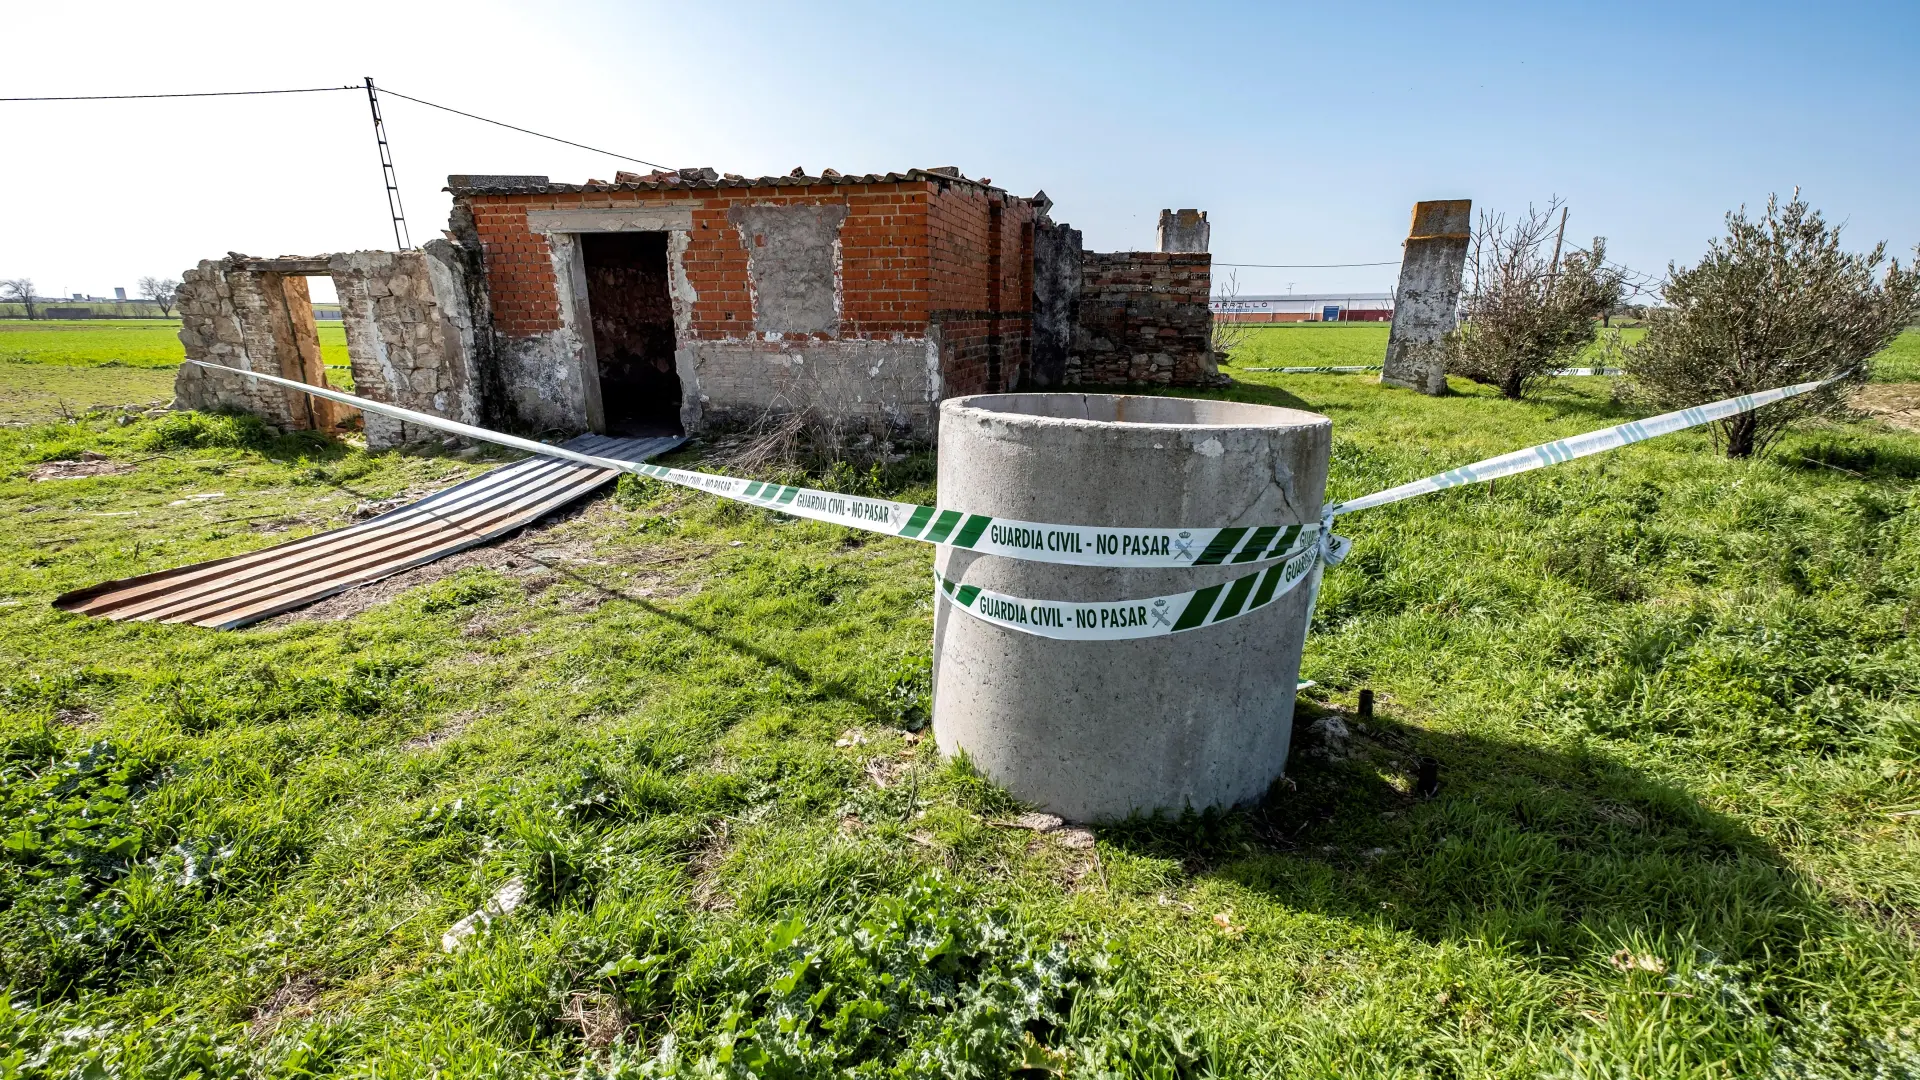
[1773, 303]
[160, 291]
[802, 445]
[1229, 336]
[20, 291]
[1528, 307]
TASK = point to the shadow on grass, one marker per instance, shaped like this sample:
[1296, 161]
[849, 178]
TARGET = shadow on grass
[1551, 852]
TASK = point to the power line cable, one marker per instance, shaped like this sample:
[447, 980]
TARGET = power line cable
[1306, 266]
[208, 93]
[524, 131]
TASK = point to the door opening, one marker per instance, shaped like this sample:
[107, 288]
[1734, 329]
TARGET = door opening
[633, 338]
[302, 354]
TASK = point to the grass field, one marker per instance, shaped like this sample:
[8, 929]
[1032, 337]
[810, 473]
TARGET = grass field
[1672, 696]
[49, 367]
[1339, 345]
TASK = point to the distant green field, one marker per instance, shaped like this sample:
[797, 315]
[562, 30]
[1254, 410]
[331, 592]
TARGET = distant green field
[129, 342]
[1340, 345]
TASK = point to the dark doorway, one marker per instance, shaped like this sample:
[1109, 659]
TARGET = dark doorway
[633, 331]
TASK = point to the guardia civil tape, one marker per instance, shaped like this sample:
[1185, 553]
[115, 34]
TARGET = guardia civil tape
[1348, 369]
[1578, 446]
[1155, 616]
[1216, 604]
[1073, 545]
[1314, 547]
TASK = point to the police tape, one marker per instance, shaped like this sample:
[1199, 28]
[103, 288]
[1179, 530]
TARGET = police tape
[1348, 369]
[1119, 620]
[1152, 616]
[1070, 545]
[1577, 446]
[1317, 545]
[1345, 369]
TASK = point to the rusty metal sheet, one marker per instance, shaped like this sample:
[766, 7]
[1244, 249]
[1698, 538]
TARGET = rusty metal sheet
[228, 593]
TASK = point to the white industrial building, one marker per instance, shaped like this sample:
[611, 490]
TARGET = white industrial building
[1306, 307]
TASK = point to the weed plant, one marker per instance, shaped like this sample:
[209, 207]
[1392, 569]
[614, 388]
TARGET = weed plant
[1671, 698]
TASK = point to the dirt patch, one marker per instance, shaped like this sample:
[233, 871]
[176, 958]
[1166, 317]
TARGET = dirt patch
[295, 998]
[708, 893]
[451, 729]
[1895, 404]
[90, 463]
[600, 1018]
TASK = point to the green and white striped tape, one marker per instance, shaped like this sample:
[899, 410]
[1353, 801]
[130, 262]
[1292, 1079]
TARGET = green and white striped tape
[1578, 446]
[1348, 369]
[1340, 370]
[1152, 616]
[1303, 550]
[1033, 541]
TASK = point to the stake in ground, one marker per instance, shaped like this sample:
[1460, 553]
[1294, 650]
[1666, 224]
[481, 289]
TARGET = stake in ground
[1670, 695]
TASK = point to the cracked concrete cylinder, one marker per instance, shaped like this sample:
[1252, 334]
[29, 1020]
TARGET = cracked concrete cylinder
[1094, 730]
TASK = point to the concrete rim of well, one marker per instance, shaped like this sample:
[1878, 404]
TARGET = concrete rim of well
[1128, 411]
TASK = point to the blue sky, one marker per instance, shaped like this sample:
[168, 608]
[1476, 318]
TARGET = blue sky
[1306, 132]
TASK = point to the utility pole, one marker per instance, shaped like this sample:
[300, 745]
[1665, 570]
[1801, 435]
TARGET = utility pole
[400, 236]
[1557, 237]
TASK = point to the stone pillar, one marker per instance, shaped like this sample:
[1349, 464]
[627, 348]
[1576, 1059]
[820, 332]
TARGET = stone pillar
[1184, 231]
[1427, 300]
[1057, 258]
[1094, 730]
[410, 336]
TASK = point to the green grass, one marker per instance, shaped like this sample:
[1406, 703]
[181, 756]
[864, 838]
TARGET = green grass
[51, 368]
[1672, 698]
[126, 342]
[1901, 360]
[1340, 345]
[32, 393]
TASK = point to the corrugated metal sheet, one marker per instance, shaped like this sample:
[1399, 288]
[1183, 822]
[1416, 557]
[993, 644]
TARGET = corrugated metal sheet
[232, 592]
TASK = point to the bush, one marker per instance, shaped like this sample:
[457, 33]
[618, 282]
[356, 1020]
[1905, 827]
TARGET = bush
[1527, 312]
[1775, 302]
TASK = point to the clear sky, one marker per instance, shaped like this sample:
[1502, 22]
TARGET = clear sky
[1306, 131]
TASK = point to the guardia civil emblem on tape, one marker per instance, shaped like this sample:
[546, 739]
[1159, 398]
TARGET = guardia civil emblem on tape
[1296, 552]
[1152, 616]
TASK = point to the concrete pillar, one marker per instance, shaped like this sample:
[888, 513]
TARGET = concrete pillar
[1092, 730]
[1057, 258]
[1426, 302]
[1184, 231]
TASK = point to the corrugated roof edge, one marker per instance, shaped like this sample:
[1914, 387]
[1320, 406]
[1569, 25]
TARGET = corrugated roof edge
[463, 184]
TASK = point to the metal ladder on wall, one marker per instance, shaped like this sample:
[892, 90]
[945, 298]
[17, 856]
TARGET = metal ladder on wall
[401, 237]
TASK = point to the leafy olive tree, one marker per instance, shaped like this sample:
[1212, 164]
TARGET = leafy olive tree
[1773, 303]
[1528, 308]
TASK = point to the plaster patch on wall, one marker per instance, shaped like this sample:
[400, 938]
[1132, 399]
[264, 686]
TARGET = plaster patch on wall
[793, 263]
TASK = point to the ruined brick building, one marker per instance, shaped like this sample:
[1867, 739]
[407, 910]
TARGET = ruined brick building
[677, 301]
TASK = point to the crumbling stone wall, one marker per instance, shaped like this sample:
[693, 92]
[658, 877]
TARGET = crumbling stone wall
[250, 320]
[410, 334]
[1143, 318]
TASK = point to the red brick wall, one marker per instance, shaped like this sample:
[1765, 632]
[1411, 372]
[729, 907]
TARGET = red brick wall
[884, 266]
[914, 255]
[1144, 318]
[980, 247]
